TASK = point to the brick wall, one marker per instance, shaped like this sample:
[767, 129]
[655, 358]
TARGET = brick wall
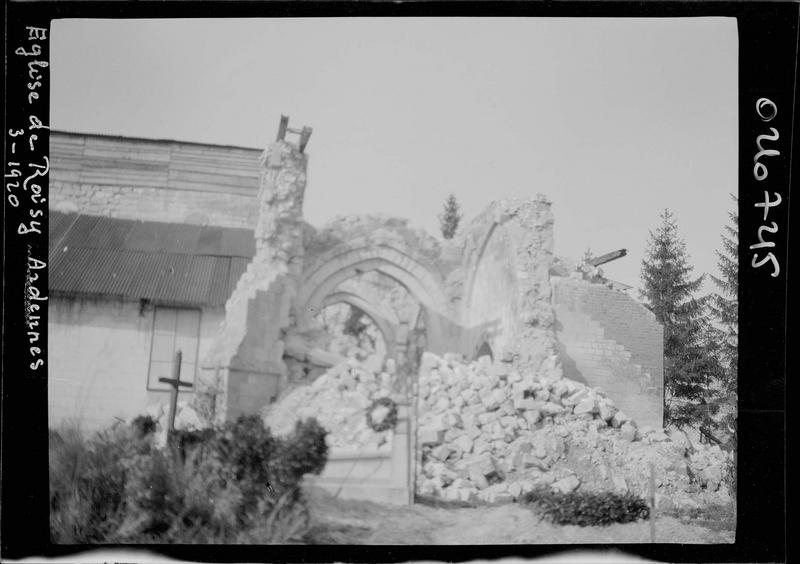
[98, 358]
[154, 180]
[607, 339]
[623, 319]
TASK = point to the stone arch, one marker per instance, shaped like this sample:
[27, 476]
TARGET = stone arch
[472, 268]
[491, 290]
[484, 350]
[407, 267]
[384, 319]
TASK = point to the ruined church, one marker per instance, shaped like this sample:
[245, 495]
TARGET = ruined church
[159, 246]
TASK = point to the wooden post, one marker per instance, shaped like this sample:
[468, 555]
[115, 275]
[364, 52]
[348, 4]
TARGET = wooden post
[175, 382]
[652, 503]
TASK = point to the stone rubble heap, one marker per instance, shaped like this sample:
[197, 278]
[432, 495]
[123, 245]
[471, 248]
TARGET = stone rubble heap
[186, 419]
[338, 399]
[488, 433]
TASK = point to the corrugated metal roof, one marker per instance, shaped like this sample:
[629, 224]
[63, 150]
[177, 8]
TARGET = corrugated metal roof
[163, 262]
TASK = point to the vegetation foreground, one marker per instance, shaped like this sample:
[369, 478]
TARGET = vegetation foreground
[239, 484]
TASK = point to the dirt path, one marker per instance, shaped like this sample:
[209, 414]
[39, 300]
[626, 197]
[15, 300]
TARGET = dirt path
[338, 521]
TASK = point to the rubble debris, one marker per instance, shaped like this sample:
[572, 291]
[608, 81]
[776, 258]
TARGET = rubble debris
[514, 432]
[338, 399]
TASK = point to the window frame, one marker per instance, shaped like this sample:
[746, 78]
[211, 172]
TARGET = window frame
[151, 386]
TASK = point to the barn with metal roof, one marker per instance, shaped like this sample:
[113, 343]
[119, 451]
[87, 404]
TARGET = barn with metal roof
[148, 239]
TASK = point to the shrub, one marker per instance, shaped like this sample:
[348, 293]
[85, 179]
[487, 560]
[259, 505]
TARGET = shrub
[144, 425]
[235, 483]
[587, 508]
[87, 482]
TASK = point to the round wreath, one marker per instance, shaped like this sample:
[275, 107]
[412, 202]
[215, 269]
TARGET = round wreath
[389, 421]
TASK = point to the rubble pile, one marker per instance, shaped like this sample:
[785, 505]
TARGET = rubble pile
[489, 433]
[338, 399]
[186, 419]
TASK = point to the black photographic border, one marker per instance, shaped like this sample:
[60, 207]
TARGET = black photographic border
[768, 64]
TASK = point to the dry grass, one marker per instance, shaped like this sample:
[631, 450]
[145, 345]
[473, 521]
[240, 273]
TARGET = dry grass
[339, 521]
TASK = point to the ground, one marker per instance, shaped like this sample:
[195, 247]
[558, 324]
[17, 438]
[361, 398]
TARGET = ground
[339, 521]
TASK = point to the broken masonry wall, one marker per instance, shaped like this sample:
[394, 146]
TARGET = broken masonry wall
[506, 304]
[609, 340]
[245, 369]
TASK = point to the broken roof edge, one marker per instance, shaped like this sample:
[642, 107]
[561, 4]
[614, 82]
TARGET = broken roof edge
[116, 297]
[152, 140]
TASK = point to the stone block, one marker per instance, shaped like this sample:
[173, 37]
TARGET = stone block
[477, 479]
[466, 494]
[508, 422]
[550, 409]
[486, 419]
[532, 417]
[499, 395]
[528, 404]
[586, 405]
[488, 400]
[628, 432]
[481, 445]
[429, 487]
[606, 412]
[442, 404]
[618, 419]
[464, 443]
[468, 395]
[472, 431]
[441, 452]
[619, 482]
[451, 494]
[533, 461]
[431, 436]
[499, 369]
[452, 420]
[566, 485]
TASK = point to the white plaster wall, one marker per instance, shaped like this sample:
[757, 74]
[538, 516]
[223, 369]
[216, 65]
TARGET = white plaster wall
[99, 353]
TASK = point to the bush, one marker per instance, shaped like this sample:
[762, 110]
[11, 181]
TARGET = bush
[236, 483]
[87, 482]
[587, 508]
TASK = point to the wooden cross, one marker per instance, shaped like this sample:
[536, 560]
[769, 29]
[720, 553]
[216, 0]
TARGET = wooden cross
[175, 382]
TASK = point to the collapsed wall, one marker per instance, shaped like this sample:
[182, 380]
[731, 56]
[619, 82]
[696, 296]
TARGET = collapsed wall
[609, 340]
[490, 432]
[245, 368]
[505, 301]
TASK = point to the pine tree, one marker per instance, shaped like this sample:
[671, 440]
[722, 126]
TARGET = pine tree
[724, 308]
[668, 290]
[450, 217]
[725, 305]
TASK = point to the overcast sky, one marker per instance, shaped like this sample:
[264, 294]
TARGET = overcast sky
[612, 119]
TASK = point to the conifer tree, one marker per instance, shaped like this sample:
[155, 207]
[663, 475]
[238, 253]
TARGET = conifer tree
[724, 307]
[450, 217]
[668, 290]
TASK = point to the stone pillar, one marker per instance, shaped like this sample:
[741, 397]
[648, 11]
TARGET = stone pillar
[536, 342]
[244, 371]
